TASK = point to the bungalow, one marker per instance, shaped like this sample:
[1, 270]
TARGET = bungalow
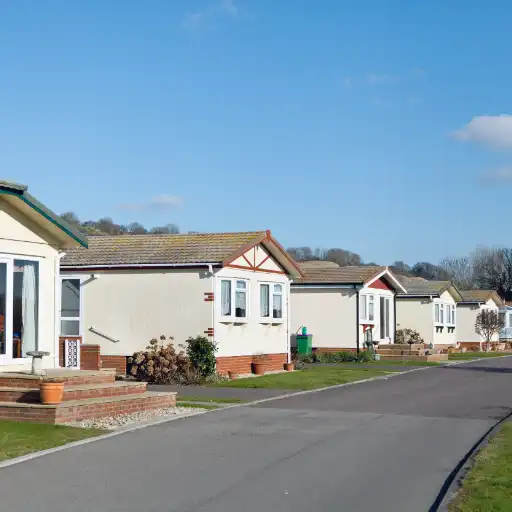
[343, 306]
[31, 240]
[429, 307]
[473, 302]
[232, 287]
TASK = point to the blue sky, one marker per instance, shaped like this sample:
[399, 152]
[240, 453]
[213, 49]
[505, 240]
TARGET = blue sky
[378, 127]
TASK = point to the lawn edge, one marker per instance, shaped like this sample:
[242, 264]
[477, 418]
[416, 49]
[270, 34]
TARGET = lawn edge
[159, 421]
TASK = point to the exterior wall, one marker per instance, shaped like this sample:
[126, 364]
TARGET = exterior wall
[330, 315]
[466, 318]
[137, 305]
[379, 289]
[21, 237]
[252, 335]
[416, 314]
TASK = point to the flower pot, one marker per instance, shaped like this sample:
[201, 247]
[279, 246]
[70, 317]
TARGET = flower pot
[289, 367]
[232, 375]
[258, 368]
[51, 392]
[500, 347]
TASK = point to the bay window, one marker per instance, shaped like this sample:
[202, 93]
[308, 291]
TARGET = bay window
[367, 308]
[234, 298]
[271, 300]
[70, 309]
[444, 314]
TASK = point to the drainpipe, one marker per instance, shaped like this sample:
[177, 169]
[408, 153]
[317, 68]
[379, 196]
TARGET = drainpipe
[288, 321]
[394, 317]
[357, 318]
[57, 305]
[212, 275]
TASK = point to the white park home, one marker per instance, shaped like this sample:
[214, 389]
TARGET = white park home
[473, 302]
[32, 241]
[342, 306]
[232, 287]
[429, 307]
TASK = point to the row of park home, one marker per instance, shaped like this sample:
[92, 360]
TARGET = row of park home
[94, 302]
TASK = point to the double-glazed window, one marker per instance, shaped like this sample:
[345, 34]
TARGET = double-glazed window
[444, 314]
[70, 308]
[271, 300]
[367, 308]
[234, 298]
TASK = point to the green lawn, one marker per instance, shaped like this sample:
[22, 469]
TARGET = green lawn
[475, 355]
[206, 399]
[194, 405]
[20, 438]
[312, 378]
[401, 363]
[488, 486]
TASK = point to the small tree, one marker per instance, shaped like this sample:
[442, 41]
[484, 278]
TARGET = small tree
[488, 323]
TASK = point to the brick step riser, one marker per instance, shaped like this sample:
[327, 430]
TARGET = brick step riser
[63, 414]
[6, 382]
[33, 396]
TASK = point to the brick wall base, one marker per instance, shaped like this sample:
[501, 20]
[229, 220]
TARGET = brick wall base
[242, 364]
[335, 349]
[90, 357]
[117, 362]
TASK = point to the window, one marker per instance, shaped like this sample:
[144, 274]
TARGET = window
[19, 307]
[271, 300]
[384, 317]
[436, 314]
[444, 314]
[233, 292]
[367, 308]
[70, 307]
[441, 314]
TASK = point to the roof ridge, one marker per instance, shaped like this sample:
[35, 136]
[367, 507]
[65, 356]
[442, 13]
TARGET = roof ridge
[148, 235]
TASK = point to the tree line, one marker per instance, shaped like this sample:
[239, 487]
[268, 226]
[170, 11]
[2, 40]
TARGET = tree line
[485, 268]
[106, 226]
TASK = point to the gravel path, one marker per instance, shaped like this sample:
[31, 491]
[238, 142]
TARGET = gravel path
[115, 422]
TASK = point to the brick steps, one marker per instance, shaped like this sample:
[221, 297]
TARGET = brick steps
[74, 410]
[22, 380]
[74, 392]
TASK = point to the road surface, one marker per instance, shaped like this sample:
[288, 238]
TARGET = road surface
[386, 445]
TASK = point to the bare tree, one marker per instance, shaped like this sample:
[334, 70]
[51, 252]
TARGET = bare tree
[430, 271]
[401, 267]
[343, 257]
[460, 270]
[493, 270]
[169, 229]
[488, 323]
[136, 228]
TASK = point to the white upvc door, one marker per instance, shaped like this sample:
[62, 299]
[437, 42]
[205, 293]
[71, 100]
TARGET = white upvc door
[6, 305]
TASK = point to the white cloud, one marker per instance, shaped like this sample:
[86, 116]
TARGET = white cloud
[160, 202]
[499, 175]
[493, 131]
[206, 18]
[347, 82]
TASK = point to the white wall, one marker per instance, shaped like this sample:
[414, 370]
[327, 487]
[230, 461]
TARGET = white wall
[20, 237]
[416, 314]
[255, 335]
[330, 315]
[135, 306]
[444, 337]
[466, 318]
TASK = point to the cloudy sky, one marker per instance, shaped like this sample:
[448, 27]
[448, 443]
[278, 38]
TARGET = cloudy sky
[379, 127]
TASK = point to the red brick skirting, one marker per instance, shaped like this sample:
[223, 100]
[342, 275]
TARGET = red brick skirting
[335, 349]
[470, 345]
[117, 362]
[90, 357]
[242, 364]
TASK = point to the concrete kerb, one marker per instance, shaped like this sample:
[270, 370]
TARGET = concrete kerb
[158, 421]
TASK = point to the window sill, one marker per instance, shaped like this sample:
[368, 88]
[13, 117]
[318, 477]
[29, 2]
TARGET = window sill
[366, 322]
[233, 320]
[271, 321]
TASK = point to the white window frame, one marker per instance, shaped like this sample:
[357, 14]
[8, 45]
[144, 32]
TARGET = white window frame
[232, 318]
[369, 298]
[80, 318]
[272, 292]
[448, 311]
[9, 259]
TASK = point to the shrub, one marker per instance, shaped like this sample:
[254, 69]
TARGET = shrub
[161, 364]
[404, 335]
[341, 357]
[201, 353]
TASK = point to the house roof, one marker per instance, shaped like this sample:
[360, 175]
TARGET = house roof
[417, 286]
[18, 196]
[174, 250]
[480, 297]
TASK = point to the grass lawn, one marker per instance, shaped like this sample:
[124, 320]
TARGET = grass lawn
[401, 363]
[488, 486]
[20, 438]
[312, 378]
[193, 405]
[475, 355]
[205, 399]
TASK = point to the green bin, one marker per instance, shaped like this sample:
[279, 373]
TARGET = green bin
[304, 344]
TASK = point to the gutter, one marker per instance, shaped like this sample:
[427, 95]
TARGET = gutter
[142, 265]
[324, 286]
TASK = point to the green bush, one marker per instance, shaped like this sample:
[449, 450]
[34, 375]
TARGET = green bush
[201, 353]
[337, 357]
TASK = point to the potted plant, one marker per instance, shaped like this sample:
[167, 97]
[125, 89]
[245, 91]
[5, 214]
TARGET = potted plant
[258, 364]
[51, 391]
[289, 367]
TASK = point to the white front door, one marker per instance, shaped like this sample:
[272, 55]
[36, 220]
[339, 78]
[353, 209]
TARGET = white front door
[5, 311]
[385, 318]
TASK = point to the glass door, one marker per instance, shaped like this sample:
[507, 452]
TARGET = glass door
[384, 317]
[5, 311]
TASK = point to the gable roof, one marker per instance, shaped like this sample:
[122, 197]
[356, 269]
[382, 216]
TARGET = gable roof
[326, 274]
[480, 297]
[419, 287]
[17, 196]
[190, 249]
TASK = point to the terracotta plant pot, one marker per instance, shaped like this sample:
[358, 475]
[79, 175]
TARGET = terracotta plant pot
[258, 368]
[289, 367]
[232, 375]
[51, 392]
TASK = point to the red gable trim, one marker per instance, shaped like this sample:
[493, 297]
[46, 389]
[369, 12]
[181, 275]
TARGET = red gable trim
[381, 284]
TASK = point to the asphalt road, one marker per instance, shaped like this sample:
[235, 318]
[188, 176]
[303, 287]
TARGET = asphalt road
[386, 445]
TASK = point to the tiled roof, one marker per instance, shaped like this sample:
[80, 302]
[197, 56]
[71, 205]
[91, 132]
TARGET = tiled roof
[318, 264]
[480, 296]
[420, 286]
[160, 249]
[337, 275]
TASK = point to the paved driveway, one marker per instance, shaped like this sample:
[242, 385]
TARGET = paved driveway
[387, 445]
